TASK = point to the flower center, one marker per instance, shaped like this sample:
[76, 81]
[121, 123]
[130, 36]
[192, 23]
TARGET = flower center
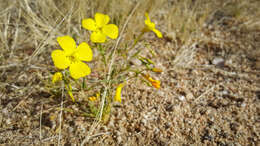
[73, 58]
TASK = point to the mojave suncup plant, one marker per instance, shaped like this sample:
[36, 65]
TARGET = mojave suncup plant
[72, 69]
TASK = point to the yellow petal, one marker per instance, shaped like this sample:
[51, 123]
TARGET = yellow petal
[89, 24]
[98, 37]
[158, 33]
[149, 24]
[56, 77]
[79, 69]
[60, 60]
[69, 89]
[84, 52]
[67, 43]
[147, 17]
[101, 19]
[118, 92]
[110, 30]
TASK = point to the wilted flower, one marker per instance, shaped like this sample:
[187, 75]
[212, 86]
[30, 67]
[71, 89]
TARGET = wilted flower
[72, 56]
[100, 28]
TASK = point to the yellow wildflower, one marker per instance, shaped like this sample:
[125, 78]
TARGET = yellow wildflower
[155, 83]
[72, 56]
[69, 90]
[100, 28]
[118, 92]
[150, 26]
[56, 77]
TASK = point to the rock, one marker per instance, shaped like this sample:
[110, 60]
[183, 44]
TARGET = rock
[218, 61]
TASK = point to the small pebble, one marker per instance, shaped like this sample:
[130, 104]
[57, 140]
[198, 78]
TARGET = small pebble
[182, 98]
[218, 61]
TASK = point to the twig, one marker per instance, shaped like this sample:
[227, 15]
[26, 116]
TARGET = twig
[21, 101]
[208, 91]
[49, 138]
[60, 117]
[41, 124]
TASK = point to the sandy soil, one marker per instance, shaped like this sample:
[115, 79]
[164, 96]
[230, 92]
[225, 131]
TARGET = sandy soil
[210, 95]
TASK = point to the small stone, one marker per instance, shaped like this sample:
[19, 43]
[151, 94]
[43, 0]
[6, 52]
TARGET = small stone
[218, 61]
[225, 92]
[182, 98]
[243, 105]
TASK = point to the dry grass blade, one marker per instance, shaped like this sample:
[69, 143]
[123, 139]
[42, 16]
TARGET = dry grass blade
[48, 35]
[60, 116]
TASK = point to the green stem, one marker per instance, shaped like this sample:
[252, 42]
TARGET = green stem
[102, 52]
[83, 84]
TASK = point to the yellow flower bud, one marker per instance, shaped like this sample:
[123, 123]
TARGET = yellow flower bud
[118, 92]
[155, 83]
[56, 77]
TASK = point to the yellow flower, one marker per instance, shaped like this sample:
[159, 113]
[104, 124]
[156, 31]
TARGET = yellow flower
[100, 27]
[118, 92]
[69, 90]
[56, 77]
[72, 56]
[150, 26]
[155, 83]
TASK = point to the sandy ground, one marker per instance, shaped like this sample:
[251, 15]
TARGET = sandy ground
[210, 95]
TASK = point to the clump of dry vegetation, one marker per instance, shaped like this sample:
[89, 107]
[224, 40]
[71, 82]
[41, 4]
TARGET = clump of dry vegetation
[206, 66]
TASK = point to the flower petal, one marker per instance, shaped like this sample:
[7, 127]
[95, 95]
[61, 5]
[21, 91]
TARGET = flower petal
[118, 92]
[84, 52]
[147, 17]
[89, 24]
[79, 69]
[98, 37]
[110, 30]
[158, 33]
[60, 60]
[101, 19]
[150, 25]
[67, 43]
